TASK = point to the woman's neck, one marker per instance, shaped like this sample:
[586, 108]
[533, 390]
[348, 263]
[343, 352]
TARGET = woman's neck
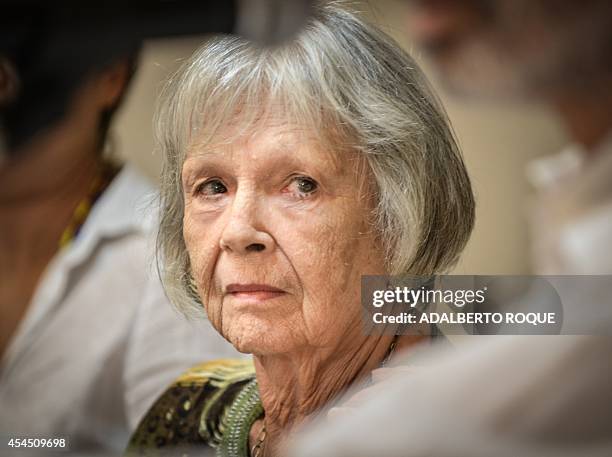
[294, 387]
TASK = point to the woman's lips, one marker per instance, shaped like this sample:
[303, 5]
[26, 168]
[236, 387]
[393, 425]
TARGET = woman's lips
[253, 292]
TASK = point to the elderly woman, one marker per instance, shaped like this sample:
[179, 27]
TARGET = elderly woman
[290, 173]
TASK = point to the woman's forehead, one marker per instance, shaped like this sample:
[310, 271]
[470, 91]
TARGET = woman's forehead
[274, 139]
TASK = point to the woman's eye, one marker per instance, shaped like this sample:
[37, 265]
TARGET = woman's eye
[303, 186]
[211, 187]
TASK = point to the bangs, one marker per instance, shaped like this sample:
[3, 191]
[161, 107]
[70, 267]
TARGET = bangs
[236, 87]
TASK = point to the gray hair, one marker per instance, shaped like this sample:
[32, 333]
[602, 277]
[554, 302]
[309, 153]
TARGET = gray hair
[350, 81]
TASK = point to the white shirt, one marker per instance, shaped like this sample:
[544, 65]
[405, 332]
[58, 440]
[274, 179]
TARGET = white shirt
[571, 215]
[100, 341]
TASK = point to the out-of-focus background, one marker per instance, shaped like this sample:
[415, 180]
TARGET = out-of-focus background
[498, 141]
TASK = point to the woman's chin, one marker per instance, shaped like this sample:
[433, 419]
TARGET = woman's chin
[250, 344]
[259, 337]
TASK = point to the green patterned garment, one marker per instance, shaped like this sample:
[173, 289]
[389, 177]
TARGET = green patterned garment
[209, 410]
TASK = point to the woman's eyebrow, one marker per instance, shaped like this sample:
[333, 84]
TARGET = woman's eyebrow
[195, 166]
[295, 153]
[278, 152]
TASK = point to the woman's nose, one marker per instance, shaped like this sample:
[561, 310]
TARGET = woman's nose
[243, 232]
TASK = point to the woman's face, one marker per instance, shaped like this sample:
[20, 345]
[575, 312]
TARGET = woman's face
[278, 233]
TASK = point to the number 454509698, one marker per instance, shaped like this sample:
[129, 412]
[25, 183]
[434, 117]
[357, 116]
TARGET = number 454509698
[37, 442]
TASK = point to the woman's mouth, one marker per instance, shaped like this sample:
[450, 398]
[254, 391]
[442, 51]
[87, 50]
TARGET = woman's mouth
[253, 292]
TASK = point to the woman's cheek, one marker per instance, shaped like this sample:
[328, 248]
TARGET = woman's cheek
[323, 253]
[202, 249]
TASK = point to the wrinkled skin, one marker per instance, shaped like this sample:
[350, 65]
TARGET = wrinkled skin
[277, 208]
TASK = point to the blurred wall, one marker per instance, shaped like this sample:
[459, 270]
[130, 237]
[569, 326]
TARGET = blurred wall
[497, 140]
[132, 132]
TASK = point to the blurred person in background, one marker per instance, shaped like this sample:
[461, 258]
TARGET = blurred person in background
[557, 52]
[513, 395]
[87, 337]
